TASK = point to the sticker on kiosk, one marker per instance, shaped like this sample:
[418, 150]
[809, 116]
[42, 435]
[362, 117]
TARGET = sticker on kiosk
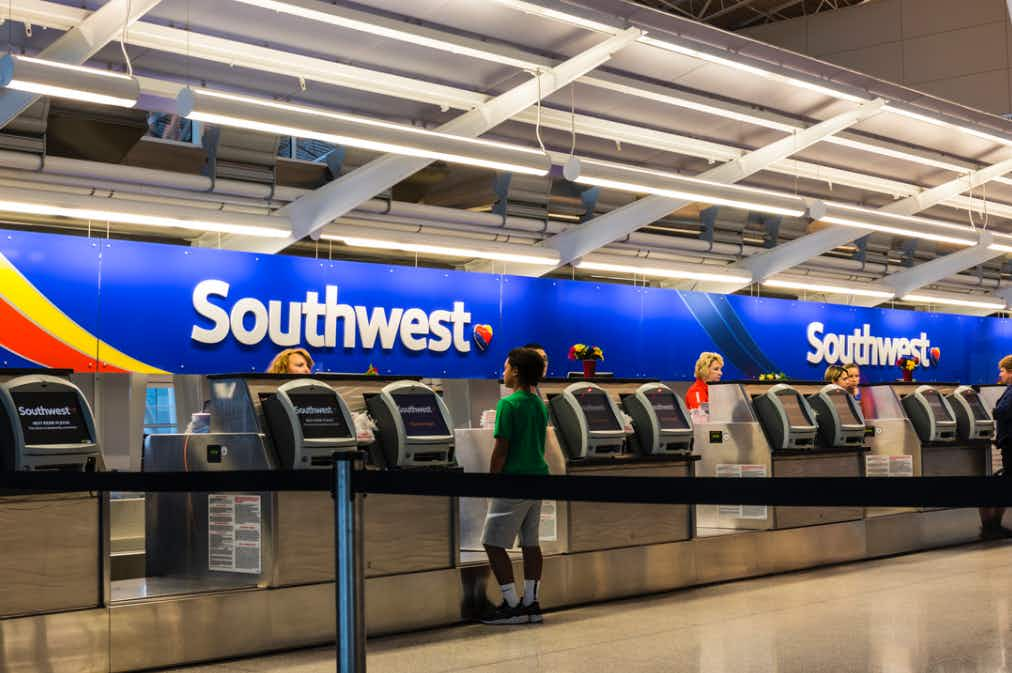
[741, 471]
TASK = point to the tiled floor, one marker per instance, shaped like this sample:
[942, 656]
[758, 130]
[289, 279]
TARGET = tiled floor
[937, 612]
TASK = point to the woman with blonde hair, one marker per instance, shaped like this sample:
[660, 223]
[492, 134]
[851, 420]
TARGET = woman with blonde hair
[838, 375]
[709, 369]
[291, 361]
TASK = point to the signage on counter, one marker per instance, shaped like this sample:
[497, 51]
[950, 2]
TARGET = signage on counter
[234, 533]
[109, 305]
[742, 472]
[888, 466]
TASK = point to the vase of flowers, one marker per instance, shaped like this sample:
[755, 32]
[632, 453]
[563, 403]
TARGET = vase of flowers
[773, 376]
[907, 365]
[589, 355]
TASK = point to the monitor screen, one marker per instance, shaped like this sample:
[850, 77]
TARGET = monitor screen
[597, 408]
[796, 416]
[669, 414]
[51, 417]
[976, 406]
[421, 415]
[841, 402]
[320, 415]
[937, 405]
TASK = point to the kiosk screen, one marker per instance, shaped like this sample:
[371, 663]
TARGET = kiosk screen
[421, 415]
[597, 409]
[52, 417]
[320, 415]
[976, 406]
[841, 403]
[669, 415]
[934, 399]
[796, 416]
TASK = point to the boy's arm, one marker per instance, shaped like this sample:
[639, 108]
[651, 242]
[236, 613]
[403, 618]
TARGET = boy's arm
[499, 452]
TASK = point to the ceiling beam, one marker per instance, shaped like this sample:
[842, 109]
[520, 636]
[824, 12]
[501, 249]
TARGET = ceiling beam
[788, 255]
[906, 281]
[602, 230]
[77, 45]
[313, 211]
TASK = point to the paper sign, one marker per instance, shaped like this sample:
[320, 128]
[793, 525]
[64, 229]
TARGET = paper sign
[742, 472]
[233, 533]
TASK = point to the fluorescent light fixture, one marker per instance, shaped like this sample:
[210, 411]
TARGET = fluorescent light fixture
[61, 80]
[946, 300]
[388, 28]
[120, 211]
[366, 237]
[674, 186]
[814, 285]
[899, 225]
[270, 116]
[664, 270]
[1000, 247]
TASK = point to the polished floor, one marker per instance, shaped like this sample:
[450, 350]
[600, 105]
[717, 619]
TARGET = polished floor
[945, 611]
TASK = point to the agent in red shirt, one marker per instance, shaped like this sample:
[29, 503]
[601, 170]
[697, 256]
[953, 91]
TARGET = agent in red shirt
[709, 369]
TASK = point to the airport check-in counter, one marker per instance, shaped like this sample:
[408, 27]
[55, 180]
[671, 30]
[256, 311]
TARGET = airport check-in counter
[54, 544]
[943, 452]
[206, 542]
[597, 441]
[766, 429]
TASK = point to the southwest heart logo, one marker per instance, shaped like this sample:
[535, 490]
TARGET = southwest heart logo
[482, 336]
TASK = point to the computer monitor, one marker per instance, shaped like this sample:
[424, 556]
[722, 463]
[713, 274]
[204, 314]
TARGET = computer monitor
[597, 409]
[937, 405]
[420, 414]
[666, 408]
[320, 416]
[792, 404]
[51, 418]
[842, 403]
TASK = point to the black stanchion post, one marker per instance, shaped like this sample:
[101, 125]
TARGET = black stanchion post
[349, 587]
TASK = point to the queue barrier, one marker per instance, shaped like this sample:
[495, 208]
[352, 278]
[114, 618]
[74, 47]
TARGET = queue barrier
[349, 481]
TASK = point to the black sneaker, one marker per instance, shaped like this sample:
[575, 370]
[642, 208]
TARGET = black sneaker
[534, 615]
[504, 614]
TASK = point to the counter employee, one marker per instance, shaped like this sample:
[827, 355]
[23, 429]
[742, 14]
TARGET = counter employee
[521, 423]
[709, 369]
[990, 517]
[854, 382]
[291, 361]
[838, 375]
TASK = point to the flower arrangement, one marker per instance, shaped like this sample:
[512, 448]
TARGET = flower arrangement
[585, 352]
[907, 365]
[372, 371]
[773, 376]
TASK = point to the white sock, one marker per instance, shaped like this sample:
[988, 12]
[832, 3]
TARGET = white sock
[531, 590]
[509, 594]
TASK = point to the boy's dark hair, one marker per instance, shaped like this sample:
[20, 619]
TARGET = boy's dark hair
[528, 364]
[534, 346]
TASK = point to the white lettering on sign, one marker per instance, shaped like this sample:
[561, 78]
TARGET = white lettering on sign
[313, 411]
[249, 321]
[415, 410]
[44, 411]
[862, 348]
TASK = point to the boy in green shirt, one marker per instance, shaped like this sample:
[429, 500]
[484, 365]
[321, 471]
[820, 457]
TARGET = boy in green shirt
[521, 421]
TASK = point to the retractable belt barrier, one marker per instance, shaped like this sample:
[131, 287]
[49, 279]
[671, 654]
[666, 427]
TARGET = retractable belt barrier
[349, 481]
[777, 491]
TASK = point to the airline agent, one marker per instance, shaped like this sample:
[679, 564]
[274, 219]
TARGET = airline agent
[709, 369]
[990, 517]
[291, 361]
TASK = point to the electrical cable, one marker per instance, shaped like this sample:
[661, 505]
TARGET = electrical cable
[122, 39]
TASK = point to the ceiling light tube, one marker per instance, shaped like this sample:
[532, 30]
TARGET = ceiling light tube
[945, 300]
[52, 204]
[268, 116]
[344, 17]
[366, 237]
[1000, 247]
[899, 225]
[656, 269]
[74, 82]
[814, 285]
[672, 185]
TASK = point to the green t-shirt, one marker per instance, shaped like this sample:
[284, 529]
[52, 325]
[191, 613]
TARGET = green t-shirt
[522, 419]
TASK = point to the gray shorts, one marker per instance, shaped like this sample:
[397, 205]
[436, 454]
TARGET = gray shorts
[507, 517]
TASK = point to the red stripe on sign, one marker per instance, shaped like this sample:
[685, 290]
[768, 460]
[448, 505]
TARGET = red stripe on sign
[21, 335]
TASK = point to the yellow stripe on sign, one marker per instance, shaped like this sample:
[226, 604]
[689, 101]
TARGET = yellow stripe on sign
[36, 307]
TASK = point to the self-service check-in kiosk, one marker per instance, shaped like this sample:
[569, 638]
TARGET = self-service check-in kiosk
[660, 420]
[53, 543]
[588, 421]
[973, 420]
[414, 428]
[786, 417]
[46, 424]
[839, 417]
[931, 415]
[309, 422]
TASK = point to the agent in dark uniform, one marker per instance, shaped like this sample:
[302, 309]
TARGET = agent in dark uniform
[990, 517]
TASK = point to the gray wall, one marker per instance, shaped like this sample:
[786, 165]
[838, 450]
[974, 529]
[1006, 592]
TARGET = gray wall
[954, 49]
